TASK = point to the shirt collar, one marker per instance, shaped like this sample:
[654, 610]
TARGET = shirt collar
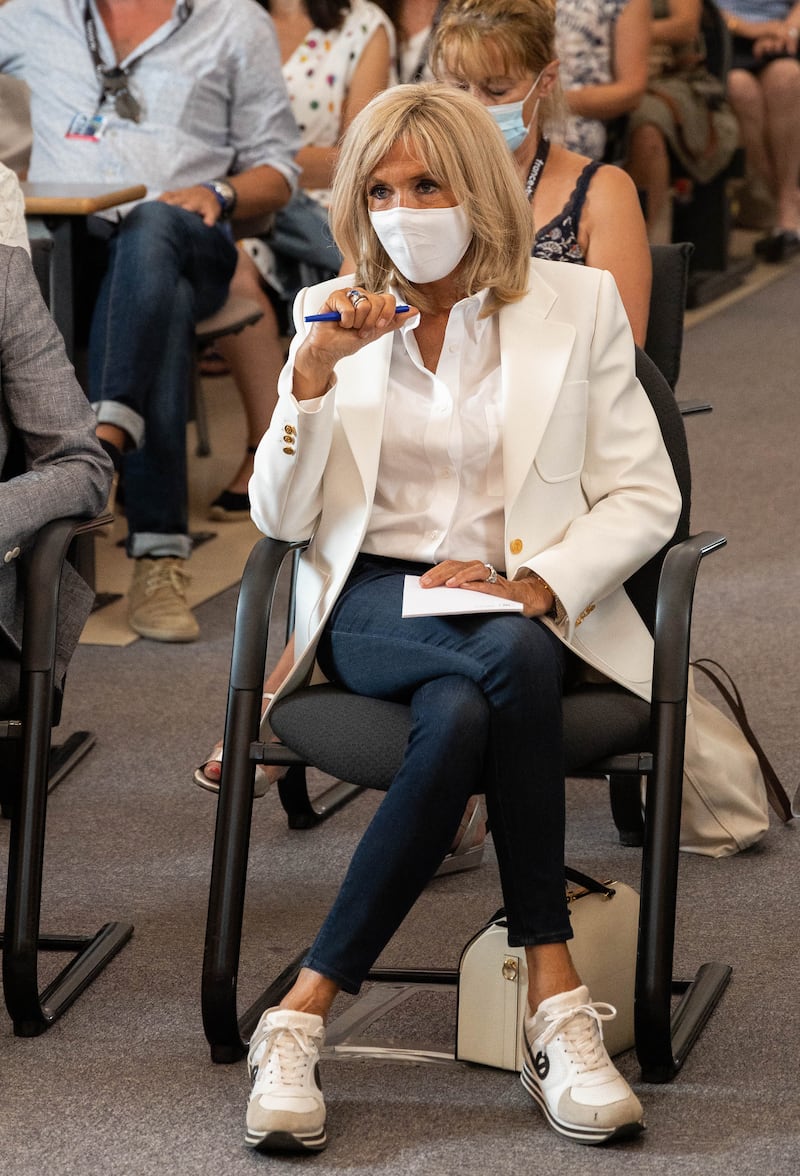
[468, 309]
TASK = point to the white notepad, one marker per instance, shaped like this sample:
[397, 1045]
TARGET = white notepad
[437, 602]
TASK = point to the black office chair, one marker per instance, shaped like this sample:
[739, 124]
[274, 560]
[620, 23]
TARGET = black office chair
[25, 733]
[664, 341]
[608, 733]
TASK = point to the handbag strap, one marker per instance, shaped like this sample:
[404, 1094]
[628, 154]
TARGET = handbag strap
[584, 880]
[588, 883]
[730, 692]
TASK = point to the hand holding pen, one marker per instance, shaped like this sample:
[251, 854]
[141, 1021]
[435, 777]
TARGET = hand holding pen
[347, 321]
[335, 316]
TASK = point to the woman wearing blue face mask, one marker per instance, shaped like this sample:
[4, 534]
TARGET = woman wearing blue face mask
[491, 439]
[503, 52]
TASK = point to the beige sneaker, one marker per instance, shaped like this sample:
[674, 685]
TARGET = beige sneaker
[157, 605]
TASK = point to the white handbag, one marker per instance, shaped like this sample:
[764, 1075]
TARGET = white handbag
[493, 977]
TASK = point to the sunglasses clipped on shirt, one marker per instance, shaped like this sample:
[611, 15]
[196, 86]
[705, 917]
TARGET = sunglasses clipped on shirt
[115, 86]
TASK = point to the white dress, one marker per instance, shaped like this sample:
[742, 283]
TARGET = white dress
[317, 76]
[319, 73]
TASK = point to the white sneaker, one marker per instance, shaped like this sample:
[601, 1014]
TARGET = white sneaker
[286, 1111]
[568, 1072]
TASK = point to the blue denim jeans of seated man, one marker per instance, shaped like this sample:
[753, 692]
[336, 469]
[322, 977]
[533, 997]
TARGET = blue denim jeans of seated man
[166, 270]
[485, 694]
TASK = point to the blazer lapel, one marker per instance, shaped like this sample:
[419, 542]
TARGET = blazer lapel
[361, 402]
[535, 349]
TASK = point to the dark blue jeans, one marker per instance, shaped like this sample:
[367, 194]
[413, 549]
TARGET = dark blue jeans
[485, 697]
[166, 270]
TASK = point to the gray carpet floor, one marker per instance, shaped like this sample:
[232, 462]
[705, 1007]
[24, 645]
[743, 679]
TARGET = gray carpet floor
[123, 1084]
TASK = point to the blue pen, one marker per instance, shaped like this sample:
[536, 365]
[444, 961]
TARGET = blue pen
[333, 316]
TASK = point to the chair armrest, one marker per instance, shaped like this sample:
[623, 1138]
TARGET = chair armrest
[674, 614]
[43, 585]
[253, 611]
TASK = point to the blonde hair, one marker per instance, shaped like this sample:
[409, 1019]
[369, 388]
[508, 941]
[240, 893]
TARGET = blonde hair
[462, 148]
[520, 33]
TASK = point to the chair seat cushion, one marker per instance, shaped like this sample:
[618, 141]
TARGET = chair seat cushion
[362, 740]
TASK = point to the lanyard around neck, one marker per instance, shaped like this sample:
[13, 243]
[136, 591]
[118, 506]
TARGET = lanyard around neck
[537, 167]
[114, 81]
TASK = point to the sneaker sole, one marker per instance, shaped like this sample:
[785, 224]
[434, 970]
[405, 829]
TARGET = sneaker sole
[164, 635]
[286, 1141]
[590, 1135]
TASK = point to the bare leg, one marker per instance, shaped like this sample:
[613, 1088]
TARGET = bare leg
[213, 768]
[311, 993]
[747, 99]
[781, 88]
[255, 356]
[648, 166]
[114, 435]
[550, 971]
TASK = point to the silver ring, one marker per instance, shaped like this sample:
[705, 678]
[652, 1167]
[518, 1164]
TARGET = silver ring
[355, 297]
[492, 577]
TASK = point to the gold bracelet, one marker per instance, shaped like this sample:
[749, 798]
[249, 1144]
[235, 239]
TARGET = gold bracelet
[556, 611]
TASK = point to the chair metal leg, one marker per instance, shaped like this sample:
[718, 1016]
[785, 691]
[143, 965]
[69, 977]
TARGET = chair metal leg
[664, 1039]
[301, 811]
[32, 1014]
[626, 808]
[228, 881]
[65, 756]
[21, 941]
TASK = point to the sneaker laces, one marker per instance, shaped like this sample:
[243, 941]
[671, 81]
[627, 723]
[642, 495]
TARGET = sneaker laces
[289, 1053]
[581, 1029]
[166, 573]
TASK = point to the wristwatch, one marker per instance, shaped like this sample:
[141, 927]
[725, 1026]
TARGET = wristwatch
[225, 194]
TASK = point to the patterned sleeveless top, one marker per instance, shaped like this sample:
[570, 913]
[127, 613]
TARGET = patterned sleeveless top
[558, 239]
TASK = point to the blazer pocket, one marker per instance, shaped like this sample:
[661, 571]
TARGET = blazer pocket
[561, 450]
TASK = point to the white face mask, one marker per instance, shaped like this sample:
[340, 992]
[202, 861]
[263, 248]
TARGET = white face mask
[424, 244]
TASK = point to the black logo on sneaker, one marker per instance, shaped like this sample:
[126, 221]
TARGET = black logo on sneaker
[541, 1064]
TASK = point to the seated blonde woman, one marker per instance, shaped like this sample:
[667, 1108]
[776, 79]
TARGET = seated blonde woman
[552, 509]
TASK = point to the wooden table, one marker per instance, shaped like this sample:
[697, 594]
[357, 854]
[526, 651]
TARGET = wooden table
[57, 206]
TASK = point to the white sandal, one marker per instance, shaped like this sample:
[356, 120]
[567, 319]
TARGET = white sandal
[260, 784]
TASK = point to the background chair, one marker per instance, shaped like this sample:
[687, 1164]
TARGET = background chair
[236, 314]
[25, 734]
[608, 733]
[664, 341]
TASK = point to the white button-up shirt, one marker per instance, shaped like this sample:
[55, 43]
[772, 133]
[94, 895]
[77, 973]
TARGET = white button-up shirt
[439, 492]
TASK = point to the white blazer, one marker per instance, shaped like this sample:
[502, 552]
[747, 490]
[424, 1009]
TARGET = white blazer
[590, 492]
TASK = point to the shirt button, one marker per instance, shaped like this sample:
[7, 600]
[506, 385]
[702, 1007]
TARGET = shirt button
[445, 473]
[452, 349]
[434, 534]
